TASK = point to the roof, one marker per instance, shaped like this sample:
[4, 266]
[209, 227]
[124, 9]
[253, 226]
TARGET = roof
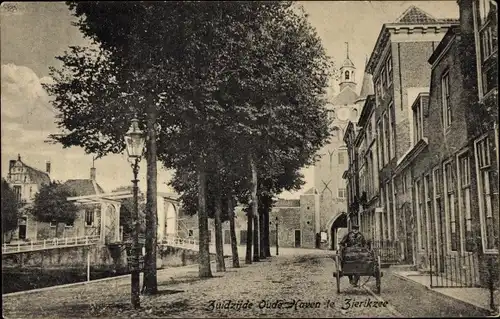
[310, 191]
[367, 86]
[415, 15]
[367, 109]
[348, 63]
[412, 16]
[37, 176]
[448, 37]
[83, 187]
[346, 96]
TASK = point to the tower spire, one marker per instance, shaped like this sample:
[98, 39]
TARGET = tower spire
[347, 49]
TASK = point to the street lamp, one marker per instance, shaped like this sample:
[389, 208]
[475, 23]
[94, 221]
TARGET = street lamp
[135, 140]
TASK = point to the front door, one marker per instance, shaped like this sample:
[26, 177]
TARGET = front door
[22, 228]
[297, 238]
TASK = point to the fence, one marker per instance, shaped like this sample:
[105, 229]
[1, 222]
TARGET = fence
[388, 250]
[454, 271]
[48, 244]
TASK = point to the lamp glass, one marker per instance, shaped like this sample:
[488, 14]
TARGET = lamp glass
[135, 140]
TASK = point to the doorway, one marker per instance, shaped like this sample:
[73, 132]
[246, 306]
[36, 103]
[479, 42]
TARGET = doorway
[22, 227]
[297, 238]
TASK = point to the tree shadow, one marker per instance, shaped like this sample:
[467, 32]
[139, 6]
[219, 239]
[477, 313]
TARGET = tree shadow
[184, 280]
[168, 292]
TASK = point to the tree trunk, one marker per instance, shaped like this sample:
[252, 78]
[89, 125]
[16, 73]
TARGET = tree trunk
[255, 209]
[204, 270]
[267, 250]
[248, 257]
[150, 285]
[219, 248]
[262, 231]
[232, 230]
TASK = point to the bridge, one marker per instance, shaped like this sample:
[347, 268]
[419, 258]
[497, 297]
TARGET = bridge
[53, 243]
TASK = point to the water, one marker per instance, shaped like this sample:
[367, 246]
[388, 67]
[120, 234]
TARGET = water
[27, 278]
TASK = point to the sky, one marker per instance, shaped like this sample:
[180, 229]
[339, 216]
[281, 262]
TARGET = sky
[34, 33]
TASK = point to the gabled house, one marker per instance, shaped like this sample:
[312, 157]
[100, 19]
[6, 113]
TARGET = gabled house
[25, 181]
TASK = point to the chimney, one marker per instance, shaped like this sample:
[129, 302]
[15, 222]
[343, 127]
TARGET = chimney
[47, 167]
[466, 9]
[92, 173]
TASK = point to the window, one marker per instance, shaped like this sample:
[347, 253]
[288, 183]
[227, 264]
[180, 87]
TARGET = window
[392, 137]
[388, 66]
[485, 10]
[69, 224]
[383, 75]
[388, 209]
[418, 206]
[380, 146]
[450, 205]
[428, 209]
[489, 233]
[394, 196]
[346, 75]
[341, 157]
[403, 183]
[17, 192]
[209, 236]
[465, 209]
[369, 132]
[446, 105]
[89, 217]
[378, 92]
[53, 224]
[341, 192]
[438, 210]
[417, 123]
[190, 233]
[371, 188]
[386, 138]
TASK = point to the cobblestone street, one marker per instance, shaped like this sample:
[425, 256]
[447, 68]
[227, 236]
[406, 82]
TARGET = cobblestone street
[302, 285]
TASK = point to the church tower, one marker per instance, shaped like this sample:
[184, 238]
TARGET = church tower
[347, 73]
[329, 186]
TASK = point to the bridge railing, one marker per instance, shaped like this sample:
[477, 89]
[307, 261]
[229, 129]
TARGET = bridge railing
[49, 243]
[176, 241]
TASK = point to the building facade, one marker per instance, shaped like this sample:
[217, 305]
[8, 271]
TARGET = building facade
[437, 141]
[26, 181]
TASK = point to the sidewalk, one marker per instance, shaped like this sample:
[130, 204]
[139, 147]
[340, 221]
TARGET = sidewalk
[478, 297]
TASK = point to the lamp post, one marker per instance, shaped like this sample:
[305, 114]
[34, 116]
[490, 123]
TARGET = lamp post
[134, 140]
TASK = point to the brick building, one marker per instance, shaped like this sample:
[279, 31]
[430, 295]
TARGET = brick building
[438, 143]
[400, 71]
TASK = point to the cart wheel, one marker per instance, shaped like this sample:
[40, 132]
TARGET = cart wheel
[337, 273]
[378, 275]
